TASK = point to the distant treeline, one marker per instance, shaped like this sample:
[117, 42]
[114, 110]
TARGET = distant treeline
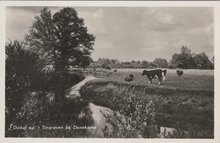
[184, 60]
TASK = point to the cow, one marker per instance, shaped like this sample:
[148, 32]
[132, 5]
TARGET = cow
[179, 73]
[129, 78]
[157, 73]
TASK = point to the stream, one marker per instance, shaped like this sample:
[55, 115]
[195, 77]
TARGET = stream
[74, 91]
[98, 113]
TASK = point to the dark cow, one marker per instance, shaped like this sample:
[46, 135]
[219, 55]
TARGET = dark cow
[129, 78]
[179, 73]
[152, 74]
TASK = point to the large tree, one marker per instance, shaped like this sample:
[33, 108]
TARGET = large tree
[62, 40]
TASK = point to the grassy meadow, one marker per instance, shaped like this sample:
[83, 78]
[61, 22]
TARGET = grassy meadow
[191, 79]
[185, 103]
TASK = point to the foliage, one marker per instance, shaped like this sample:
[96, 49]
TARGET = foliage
[85, 61]
[117, 64]
[201, 61]
[28, 84]
[160, 63]
[188, 60]
[146, 108]
[184, 59]
[55, 42]
[61, 38]
[23, 74]
[144, 64]
[37, 112]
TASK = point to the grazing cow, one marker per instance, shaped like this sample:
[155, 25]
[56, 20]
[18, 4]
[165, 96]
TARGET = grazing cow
[129, 78]
[152, 74]
[179, 73]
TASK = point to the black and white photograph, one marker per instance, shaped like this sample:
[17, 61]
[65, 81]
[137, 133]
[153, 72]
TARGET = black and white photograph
[109, 72]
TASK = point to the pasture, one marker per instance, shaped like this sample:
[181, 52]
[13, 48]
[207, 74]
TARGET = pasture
[185, 103]
[191, 79]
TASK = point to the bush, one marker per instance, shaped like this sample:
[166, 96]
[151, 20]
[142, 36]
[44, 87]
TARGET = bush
[22, 75]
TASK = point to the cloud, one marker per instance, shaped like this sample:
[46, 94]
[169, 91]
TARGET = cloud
[93, 19]
[157, 19]
[133, 33]
[163, 17]
[26, 9]
[18, 21]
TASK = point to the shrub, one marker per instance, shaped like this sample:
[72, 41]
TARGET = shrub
[22, 75]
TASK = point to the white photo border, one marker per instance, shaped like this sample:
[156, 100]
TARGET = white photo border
[214, 4]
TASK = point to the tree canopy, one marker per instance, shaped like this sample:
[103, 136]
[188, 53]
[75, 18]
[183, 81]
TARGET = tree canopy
[61, 38]
[188, 60]
[201, 61]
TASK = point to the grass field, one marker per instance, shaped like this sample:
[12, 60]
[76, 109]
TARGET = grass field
[185, 103]
[192, 79]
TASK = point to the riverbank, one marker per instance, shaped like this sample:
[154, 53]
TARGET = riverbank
[190, 112]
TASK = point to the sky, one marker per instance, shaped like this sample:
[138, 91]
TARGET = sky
[132, 33]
